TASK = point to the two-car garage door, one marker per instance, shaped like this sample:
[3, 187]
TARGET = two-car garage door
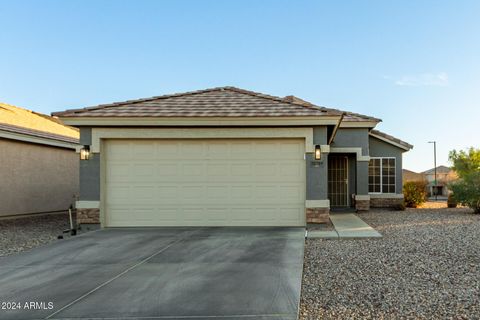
[217, 182]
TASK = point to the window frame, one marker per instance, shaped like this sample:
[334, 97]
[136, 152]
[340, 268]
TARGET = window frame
[381, 176]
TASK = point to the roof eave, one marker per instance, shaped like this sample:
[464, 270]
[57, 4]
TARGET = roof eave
[199, 121]
[405, 146]
[359, 124]
[24, 137]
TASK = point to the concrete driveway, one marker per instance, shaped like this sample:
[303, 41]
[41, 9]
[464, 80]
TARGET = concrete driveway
[158, 273]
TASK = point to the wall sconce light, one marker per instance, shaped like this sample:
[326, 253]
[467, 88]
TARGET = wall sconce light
[318, 152]
[85, 153]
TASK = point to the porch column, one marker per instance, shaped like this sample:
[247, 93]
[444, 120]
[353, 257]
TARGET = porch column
[362, 198]
[88, 204]
[317, 205]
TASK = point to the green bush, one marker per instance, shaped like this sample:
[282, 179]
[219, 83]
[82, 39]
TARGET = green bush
[414, 193]
[466, 189]
[451, 202]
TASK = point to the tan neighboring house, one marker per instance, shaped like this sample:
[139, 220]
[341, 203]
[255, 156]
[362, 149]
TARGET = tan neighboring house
[39, 164]
[412, 176]
[445, 175]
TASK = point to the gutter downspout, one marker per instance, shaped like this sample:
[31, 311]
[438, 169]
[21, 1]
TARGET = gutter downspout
[334, 133]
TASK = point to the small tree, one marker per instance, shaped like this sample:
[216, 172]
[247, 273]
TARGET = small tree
[467, 188]
[414, 193]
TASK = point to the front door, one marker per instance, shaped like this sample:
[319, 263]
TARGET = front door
[338, 181]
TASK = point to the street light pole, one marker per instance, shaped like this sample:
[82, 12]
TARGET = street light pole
[435, 166]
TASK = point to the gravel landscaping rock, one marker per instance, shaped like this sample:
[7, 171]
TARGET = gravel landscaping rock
[426, 266]
[20, 234]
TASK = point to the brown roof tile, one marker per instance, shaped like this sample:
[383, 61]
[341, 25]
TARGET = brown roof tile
[215, 102]
[348, 116]
[391, 138]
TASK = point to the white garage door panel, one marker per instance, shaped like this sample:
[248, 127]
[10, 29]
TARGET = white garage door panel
[205, 182]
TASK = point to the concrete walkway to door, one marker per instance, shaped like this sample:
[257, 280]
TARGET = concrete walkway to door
[347, 226]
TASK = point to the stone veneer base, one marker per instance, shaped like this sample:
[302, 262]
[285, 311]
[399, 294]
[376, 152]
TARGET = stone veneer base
[318, 215]
[385, 202]
[362, 205]
[87, 216]
[313, 215]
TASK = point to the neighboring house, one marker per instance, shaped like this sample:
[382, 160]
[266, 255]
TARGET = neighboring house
[445, 175]
[39, 165]
[412, 176]
[230, 157]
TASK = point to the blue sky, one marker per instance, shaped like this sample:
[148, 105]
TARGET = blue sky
[414, 64]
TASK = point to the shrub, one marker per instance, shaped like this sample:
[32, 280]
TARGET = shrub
[451, 202]
[466, 190]
[414, 193]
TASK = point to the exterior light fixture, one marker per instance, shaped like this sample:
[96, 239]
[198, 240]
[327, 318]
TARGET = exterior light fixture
[318, 152]
[85, 153]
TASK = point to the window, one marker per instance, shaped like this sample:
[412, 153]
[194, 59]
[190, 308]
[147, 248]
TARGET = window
[381, 175]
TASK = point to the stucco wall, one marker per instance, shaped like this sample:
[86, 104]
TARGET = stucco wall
[36, 178]
[317, 170]
[379, 148]
[316, 178]
[353, 138]
[89, 170]
[90, 178]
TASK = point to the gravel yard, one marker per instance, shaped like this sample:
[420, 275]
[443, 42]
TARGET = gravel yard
[426, 266]
[24, 233]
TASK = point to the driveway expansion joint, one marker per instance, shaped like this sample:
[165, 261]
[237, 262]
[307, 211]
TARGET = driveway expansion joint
[120, 274]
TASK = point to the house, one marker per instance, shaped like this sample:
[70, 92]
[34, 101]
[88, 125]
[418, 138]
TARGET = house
[445, 175]
[230, 157]
[39, 165]
[409, 175]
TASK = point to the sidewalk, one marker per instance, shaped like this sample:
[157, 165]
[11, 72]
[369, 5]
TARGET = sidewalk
[347, 226]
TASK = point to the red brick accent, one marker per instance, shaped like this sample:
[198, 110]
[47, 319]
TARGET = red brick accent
[88, 216]
[318, 215]
[362, 205]
[385, 202]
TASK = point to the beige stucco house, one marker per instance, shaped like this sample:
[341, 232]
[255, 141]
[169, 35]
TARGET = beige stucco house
[445, 175]
[39, 165]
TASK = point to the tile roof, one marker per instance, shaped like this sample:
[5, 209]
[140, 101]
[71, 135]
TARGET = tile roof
[391, 138]
[19, 120]
[348, 116]
[215, 102]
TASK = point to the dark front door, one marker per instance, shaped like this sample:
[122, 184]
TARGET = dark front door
[338, 181]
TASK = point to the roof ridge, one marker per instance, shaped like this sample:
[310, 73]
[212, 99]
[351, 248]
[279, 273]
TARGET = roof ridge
[132, 101]
[188, 93]
[275, 98]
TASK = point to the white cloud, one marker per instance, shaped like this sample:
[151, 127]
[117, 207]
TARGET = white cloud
[423, 79]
